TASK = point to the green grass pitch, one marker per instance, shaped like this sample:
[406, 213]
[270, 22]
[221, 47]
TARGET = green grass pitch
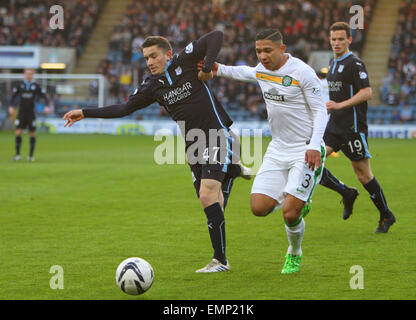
[90, 201]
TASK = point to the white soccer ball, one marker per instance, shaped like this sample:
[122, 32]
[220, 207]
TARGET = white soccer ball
[134, 276]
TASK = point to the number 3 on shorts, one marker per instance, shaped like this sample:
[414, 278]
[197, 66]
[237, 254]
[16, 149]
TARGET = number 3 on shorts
[307, 181]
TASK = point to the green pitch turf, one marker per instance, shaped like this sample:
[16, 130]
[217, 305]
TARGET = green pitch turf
[90, 201]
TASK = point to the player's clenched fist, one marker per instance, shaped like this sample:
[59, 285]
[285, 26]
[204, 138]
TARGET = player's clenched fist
[206, 76]
[73, 116]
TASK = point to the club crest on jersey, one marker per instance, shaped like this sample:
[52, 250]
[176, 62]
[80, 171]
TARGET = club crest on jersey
[189, 48]
[273, 95]
[340, 68]
[363, 75]
[178, 71]
[287, 81]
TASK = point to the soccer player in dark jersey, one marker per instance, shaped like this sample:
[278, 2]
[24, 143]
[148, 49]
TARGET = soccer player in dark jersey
[347, 130]
[28, 91]
[176, 84]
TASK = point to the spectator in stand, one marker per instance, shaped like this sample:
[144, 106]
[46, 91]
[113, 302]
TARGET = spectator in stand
[406, 113]
[385, 86]
[27, 22]
[402, 61]
[395, 117]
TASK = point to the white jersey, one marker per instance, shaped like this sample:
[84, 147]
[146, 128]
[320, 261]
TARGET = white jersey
[293, 94]
[325, 90]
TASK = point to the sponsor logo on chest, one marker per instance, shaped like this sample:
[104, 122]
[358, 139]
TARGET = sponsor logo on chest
[177, 94]
[273, 94]
[335, 86]
[27, 95]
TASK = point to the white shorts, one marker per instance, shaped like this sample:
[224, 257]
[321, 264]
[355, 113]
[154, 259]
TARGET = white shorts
[288, 175]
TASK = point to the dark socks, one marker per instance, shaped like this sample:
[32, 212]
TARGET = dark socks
[18, 144]
[216, 228]
[32, 146]
[330, 181]
[377, 195]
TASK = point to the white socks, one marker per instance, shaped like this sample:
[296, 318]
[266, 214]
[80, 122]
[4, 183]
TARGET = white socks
[295, 237]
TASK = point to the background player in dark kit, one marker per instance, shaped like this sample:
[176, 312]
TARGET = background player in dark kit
[347, 130]
[28, 91]
[176, 83]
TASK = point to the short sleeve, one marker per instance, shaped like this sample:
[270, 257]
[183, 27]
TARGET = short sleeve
[359, 75]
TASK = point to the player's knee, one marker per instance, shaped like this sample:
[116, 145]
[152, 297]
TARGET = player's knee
[207, 197]
[291, 214]
[259, 211]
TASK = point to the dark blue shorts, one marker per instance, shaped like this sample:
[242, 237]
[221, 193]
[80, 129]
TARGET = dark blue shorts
[353, 144]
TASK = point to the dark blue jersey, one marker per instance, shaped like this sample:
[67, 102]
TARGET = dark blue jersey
[346, 76]
[178, 89]
[28, 92]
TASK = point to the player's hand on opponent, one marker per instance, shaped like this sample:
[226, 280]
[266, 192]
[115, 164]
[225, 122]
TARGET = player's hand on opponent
[206, 76]
[46, 110]
[313, 159]
[73, 116]
[11, 111]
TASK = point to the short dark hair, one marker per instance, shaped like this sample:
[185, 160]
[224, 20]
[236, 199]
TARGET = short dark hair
[159, 41]
[270, 34]
[340, 25]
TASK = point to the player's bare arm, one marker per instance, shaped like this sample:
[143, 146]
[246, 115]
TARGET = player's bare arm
[360, 97]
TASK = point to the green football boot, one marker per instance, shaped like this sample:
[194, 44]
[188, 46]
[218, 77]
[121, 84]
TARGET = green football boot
[292, 264]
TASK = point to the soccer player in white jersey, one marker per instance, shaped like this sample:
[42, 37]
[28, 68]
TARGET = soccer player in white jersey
[292, 165]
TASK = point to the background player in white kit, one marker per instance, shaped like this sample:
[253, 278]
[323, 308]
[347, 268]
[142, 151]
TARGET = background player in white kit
[292, 165]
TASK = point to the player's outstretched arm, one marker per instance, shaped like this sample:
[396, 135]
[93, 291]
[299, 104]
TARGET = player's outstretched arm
[73, 116]
[240, 73]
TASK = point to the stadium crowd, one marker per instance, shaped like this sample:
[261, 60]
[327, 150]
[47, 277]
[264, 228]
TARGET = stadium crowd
[25, 22]
[304, 24]
[399, 83]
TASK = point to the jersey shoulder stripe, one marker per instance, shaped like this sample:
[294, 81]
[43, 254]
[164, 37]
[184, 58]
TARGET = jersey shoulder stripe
[284, 81]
